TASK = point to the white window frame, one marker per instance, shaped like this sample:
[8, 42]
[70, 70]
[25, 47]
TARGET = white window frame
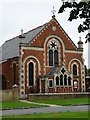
[59, 81]
[52, 83]
[53, 51]
[31, 61]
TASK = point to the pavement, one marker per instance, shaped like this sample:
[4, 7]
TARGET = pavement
[45, 110]
[50, 109]
[50, 105]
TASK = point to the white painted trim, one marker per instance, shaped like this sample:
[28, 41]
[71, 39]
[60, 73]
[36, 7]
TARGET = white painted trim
[74, 63]
[72, 51]
[74, 59]
[53, 39]
[39, 67]
[33, 48]
[13, 63]
[55, 81]
[67, 73]
[52, 36]
[52, 83]
[81, 66]
[34, 64]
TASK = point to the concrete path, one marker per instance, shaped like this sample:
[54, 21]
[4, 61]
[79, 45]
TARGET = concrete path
[50, 105]
[46, 110]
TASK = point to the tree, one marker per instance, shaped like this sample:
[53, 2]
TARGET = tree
[79, 10]
[86, 70]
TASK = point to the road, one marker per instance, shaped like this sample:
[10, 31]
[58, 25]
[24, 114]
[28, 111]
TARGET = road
[45, 110]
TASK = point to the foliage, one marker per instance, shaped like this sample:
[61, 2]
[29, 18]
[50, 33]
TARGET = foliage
[86, 70]
[79, 10]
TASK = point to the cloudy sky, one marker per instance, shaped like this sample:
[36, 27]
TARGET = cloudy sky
[29, 14]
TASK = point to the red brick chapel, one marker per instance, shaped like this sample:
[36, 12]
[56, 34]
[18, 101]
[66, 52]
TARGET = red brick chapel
[43, 60]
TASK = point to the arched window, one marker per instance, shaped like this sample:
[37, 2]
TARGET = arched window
[53, 52]
[74, 69]
[14, 72]
[61, 79]
[65, 79]
[57, 81]
[50, 58]
[55, 57]
[69, 80]
[3, 82]
[31, 74]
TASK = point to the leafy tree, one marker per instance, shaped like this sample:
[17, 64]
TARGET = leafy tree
[79, 10]
[86, 70]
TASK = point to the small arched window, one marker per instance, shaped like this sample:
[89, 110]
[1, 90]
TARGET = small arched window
[50, 58]
[65, 79]
[14, 72]
[57, 81]
[69, 80]
[61, 79]
[74, 69]
[55, 57]
[31, 74]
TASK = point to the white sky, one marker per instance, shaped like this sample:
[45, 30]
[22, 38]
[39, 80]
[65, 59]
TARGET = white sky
[29, 14]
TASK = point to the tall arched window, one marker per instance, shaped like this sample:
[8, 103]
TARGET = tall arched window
[61, 79]
[65, 79]
[57, 80]
[31, 74]
[55, 57]
[50, 58]
[53, 52]
[14, 72]
[74, 69]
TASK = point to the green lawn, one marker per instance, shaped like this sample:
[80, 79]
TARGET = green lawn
[17, 105]
[53, 115]
[65, 102]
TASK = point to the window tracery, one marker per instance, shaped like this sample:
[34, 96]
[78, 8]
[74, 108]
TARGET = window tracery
[53, 52]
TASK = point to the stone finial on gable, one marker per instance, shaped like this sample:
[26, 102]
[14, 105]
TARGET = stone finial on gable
[80, 44]
[22, 36]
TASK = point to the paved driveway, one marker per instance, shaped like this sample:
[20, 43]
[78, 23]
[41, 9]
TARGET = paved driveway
[45, 110]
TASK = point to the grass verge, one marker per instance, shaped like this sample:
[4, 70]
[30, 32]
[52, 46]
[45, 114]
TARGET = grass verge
[65, 102]
[18, 104]
[53, 115]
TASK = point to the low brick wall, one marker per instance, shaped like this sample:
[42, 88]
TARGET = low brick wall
[9, 95]
[48, 96]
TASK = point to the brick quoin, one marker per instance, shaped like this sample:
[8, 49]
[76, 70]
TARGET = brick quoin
[37, 52]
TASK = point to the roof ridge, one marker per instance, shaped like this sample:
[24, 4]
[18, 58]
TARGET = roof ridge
[25, 33]
[35, 28]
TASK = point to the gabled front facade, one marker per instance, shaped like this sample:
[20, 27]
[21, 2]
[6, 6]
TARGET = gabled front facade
[47, 62]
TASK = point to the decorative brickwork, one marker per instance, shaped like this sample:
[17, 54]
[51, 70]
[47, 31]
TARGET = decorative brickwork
[46, 77]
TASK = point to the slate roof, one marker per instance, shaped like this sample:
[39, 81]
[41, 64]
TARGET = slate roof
[10, 48]
[53, 71]
[56, 70]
